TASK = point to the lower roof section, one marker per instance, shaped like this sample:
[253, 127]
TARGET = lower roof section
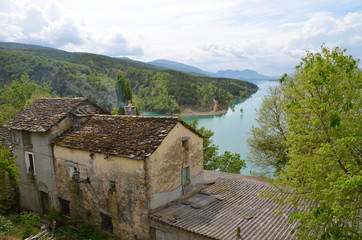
[228, 201]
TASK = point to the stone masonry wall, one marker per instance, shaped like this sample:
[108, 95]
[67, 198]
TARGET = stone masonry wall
[126, 206]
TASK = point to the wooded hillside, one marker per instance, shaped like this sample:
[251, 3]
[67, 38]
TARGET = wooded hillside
[94, 76]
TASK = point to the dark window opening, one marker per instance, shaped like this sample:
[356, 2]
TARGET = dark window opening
[31, 162]
[185, 144]
[107, 224]
[44, 201]
[30, 165]
[64, 206]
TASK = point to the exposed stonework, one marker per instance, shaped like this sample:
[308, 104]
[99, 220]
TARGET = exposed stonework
[110, 171]
[127, 206]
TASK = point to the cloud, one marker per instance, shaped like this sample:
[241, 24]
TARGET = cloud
[116, 44]
[343, 32]
[32, 20]
[60, 33]
[267, 36]
[53, 26]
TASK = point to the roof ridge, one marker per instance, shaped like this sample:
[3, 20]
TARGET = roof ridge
[132, 116]
[82, 98]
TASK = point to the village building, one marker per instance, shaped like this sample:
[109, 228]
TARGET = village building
[134, 177]
[129, 166]
[32, 132]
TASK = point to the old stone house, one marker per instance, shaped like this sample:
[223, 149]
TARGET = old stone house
[128, 166]
[111, 171]
[32, 132]
[134, 177]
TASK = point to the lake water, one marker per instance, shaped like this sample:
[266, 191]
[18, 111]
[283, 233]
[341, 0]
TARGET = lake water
[231, 129]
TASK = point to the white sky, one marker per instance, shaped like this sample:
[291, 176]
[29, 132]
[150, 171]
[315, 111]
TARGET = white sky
[269, 36]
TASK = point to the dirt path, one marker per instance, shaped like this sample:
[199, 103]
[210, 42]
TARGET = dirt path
[188, 112]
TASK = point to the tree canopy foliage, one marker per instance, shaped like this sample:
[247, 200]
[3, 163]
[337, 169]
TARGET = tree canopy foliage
[8, 170]
[322, 176]
[267, 140]
[227, 162]
[94, 76]
[20, 94]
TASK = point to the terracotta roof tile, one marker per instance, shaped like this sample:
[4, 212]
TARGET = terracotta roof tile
[44, 113]
[127, 136]
[231, 201]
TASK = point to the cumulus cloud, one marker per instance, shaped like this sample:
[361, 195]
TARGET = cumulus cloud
[267, 36]
[53, 26]
[60, 33]
[32, 20]
[116, 44]
[343, 32]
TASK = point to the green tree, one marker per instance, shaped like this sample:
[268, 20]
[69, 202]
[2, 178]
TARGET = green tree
[123, 93]
[20, 94]
[323, 177]
[8, 171]
[227, 162]
[267, 140]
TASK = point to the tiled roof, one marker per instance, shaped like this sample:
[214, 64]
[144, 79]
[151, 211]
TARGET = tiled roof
[127, 136]
[231, 201]
[44, 113]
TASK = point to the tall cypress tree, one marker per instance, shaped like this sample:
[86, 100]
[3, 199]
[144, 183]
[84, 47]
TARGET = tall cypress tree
[123, 93]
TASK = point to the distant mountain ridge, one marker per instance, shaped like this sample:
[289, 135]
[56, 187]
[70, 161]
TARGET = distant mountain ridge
[247, 74]
[93, 76]
[178, 67]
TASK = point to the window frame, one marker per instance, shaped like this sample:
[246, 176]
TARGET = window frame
[28, 162]
[186, 175]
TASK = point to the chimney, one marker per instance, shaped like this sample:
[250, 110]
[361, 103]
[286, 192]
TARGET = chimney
[129, 109]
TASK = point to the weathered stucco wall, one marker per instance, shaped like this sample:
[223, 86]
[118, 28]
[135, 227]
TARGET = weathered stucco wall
[173, 233]
[62, 126]
[126, 206]
[30, 186]
[164, 167]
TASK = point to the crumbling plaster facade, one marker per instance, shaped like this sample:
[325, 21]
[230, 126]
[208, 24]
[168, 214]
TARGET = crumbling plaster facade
[42, 180]
[126, 206]
[165, 165]
[141, 185]
[32, 132]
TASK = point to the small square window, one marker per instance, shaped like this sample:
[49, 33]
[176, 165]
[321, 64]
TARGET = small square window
[64, 206]
[186, 175]
[111, 186]
[107, 224]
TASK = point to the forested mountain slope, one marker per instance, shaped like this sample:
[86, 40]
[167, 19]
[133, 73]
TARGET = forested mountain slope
[93, 76]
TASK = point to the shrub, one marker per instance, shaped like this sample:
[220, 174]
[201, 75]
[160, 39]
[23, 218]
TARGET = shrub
[6, 225]
[85, 230]
[28, 220]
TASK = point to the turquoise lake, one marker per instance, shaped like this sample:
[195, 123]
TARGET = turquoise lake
[231, 129]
